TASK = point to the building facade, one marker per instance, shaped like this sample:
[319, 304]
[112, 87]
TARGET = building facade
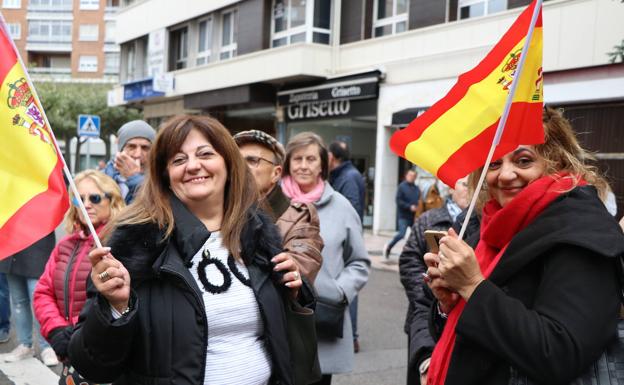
[357, 70]
[65, 40]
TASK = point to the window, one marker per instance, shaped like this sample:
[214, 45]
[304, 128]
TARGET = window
[475, 8]
[178, 49]
[295, 21]
[390, 17]
[229, 29]
[13, 4]
[109, 33]
[111, 62]
[112, 3]
[88, 64]
[134, 59]
[15, 29]
[204, 41]
[88, 32]
[89, 4]
[50, 31]
[50, 5]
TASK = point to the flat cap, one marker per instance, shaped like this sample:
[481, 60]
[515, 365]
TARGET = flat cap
[263, 139]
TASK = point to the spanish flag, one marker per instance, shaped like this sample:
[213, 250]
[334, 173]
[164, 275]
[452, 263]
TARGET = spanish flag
[453, 137]
[33, 197]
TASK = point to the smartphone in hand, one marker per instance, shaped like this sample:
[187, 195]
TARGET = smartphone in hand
[432, 237]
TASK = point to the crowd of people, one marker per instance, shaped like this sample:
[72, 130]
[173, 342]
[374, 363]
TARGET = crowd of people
[237, 260]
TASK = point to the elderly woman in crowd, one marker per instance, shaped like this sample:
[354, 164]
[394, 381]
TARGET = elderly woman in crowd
[537, 300]
[61, 291]
[191, 287]
[345, 260]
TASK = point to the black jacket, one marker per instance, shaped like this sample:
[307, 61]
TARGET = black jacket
[163, 340]
[30, 262]
[550, 306]
[420, 298]
[407, 195]
[347, 180]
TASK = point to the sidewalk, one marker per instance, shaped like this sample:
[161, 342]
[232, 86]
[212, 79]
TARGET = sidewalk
[375, 245]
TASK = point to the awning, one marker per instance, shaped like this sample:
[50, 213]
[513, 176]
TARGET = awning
[404, 117]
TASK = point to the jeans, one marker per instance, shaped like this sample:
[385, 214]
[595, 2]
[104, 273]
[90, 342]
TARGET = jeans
[22, 290]
[404, 223]
[5, 305]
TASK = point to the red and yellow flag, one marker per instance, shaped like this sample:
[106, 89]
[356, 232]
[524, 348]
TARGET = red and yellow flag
[454, 136]
[33, 197]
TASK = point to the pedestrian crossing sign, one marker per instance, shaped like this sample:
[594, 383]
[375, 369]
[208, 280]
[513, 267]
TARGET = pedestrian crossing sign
[89, 125]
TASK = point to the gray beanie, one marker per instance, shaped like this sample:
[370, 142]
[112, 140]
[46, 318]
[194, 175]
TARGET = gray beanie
[134, 129]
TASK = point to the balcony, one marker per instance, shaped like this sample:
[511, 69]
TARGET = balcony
[38, 45]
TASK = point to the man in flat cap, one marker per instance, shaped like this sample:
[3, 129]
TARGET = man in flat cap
[127, 168]
[298, 223]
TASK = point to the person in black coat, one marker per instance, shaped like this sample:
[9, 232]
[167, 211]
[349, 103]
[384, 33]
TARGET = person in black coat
[407, 197]
[23, 270]
[537, 300]
[192, 288]
[411, 268]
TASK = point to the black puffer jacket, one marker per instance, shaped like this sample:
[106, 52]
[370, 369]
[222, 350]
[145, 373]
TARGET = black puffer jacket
[163, 340]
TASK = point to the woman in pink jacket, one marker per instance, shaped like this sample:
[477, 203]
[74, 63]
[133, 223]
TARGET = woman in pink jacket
[61, 291]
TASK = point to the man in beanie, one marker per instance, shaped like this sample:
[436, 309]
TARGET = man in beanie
[298, 223]
[127, 168]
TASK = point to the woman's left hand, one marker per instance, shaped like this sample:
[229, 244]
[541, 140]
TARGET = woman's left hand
[458, 265]
[292, 278]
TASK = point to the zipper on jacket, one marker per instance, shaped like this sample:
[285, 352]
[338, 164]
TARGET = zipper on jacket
[200, 302]
[66, 281]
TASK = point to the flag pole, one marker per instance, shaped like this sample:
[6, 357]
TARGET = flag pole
[503, 119]
[68, 175]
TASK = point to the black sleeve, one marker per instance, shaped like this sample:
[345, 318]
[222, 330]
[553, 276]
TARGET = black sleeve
[411, 268]
[100, 346]
[572, 320]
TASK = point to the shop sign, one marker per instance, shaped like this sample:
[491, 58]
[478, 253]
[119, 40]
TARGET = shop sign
[313, 110]
[355, 90]
[156, 52]
[141, 89]
[327, 109]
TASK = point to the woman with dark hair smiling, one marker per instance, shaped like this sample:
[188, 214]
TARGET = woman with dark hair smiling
[191, 288]
[537, 300]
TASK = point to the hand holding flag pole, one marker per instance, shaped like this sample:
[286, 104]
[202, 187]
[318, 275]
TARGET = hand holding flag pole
[503, 119]
[10, 70]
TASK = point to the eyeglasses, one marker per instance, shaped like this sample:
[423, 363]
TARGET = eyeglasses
[254, 161]
[95, 199]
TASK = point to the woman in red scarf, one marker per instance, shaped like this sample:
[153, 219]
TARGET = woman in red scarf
[536, 301]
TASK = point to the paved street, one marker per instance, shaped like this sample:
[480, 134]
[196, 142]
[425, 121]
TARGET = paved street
[383, 353]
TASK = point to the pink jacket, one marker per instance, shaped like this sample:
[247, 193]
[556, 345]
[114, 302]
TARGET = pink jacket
[61, 291]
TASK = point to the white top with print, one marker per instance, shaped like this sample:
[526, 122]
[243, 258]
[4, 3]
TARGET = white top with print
[237, 353]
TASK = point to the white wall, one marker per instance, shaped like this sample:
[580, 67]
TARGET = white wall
[577, 33]
[393, 98]
[146, 16]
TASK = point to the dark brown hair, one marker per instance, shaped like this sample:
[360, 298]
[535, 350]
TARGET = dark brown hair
[152, 203]
[305, 139]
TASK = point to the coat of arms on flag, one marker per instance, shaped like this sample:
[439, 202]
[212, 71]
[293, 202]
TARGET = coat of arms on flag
[34, 197]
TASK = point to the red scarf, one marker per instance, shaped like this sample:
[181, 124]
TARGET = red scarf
[498, 226]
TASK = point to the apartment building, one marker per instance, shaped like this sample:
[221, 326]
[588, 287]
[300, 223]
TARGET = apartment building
[357, 70]
[65, 40]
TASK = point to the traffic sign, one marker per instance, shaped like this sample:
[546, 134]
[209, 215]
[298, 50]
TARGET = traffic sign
[89, 125]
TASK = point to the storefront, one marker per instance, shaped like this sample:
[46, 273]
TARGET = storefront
[339, 109]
